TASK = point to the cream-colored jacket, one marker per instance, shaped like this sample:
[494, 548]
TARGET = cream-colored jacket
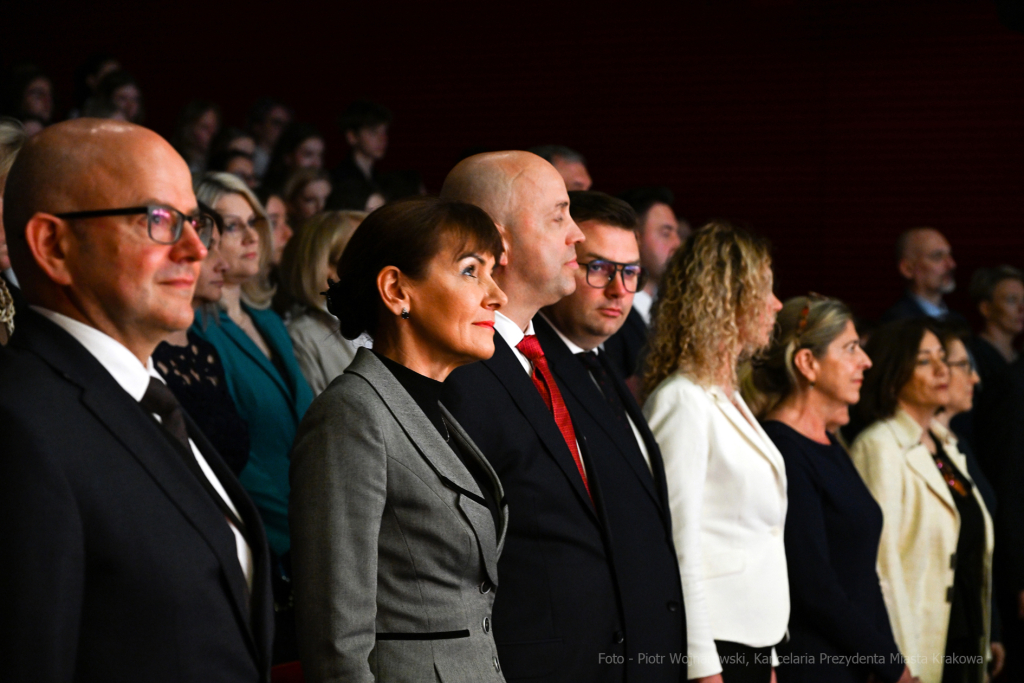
[919, 536]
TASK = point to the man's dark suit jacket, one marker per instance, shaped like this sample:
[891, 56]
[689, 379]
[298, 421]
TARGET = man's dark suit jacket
[625, 349]
[557, 612]
[907, 307]
[634, 500]
[349, 187]
[118, 566]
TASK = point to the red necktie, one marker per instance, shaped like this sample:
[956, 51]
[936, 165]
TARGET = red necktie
[545, 383]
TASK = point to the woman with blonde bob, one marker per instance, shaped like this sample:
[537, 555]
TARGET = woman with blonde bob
[262, 374]
[935, 554]
[802, 388]
[309, 265]
[726, 480]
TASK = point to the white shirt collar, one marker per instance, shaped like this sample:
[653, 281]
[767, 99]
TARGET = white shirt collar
[572, 346]
[121, 363]
[642, 302]
[508, 330]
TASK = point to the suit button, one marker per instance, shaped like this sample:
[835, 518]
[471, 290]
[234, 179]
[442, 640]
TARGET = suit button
[673, 606]
[486, 586]
[497, 667]
[487, 624]
[618, 637]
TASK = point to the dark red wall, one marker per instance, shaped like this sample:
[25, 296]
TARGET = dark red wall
[829, 126]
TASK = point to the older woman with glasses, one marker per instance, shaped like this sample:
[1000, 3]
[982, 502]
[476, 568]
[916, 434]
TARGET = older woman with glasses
[935, 554]
[802, 388]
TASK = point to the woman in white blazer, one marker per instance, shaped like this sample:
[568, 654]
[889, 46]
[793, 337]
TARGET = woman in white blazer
[935, 554]
[726, 480]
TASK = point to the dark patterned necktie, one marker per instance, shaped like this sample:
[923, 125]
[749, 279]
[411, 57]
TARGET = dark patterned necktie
[605, 383]
[161, 401]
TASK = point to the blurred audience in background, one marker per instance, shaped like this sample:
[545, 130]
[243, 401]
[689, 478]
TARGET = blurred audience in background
[569, 163]
[365, 126]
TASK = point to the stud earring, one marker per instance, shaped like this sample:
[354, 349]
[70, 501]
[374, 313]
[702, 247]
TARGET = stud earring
[405, 314]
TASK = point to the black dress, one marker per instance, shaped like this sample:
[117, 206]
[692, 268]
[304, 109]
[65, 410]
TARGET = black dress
[195, 374]
[833, 526]
[966, 615]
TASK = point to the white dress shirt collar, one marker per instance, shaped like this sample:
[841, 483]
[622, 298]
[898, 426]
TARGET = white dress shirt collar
[116, 359]
[512, 335]
[642, 302]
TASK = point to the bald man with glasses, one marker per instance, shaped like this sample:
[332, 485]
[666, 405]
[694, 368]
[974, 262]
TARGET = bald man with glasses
[131, 551]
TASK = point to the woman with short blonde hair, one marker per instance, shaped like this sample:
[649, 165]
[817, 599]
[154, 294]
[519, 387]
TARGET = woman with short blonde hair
[309, 264]
[726, 480]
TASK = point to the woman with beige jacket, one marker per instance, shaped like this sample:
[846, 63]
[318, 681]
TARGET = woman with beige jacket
[935, 554]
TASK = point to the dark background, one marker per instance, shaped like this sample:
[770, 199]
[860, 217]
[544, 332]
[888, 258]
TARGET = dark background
[829, 126]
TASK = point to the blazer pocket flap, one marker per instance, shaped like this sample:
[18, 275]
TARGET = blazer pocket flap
[724, 563]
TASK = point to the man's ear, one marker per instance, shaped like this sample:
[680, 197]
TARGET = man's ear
[391, 285]
[985, 308]
[49, 239]
[505, 245]
[906, 269]
[351, 138]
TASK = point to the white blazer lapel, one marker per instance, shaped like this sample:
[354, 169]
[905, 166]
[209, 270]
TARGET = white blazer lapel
[747, 425]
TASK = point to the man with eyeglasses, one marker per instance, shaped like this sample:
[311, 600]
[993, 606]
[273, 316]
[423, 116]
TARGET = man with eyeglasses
[131, 551]
[623, 453]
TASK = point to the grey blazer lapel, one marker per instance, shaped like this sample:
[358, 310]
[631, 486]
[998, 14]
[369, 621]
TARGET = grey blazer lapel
[438, 453]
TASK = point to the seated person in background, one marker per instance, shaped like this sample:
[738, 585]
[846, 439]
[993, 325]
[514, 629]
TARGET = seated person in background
[660, 237]
[802, 389]
[281, 230]
[266, 120]
[237, 163]
[12, 137]
[131, 552]
[622, 449]
[996, 433]
[365, 127]
[569, 163]
[301, 145]
[310, 264]
[925, 261]
[197, 125]
[193, 371]
[935, 554]
[121, 90]
[305, 195]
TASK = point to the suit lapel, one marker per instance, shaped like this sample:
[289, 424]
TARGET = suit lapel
[237, 335]
[921, 461]
[508, 370]
[438, 453]
[129, 424]
[577, 381]
[747, 425]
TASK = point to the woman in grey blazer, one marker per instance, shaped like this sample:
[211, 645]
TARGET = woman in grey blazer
[397, 519]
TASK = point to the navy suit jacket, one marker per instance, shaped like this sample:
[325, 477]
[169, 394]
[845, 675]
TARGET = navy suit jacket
[557, 615]
[907, 307]
[118, 564]
[626, 348]
[633, 500]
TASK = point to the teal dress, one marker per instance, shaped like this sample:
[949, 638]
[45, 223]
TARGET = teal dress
[272, 396]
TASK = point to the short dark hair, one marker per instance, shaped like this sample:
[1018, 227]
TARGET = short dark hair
[587, 205]
[893, 352]
[549, 152]
[259, 112]
[363, 114]
[643, 198]
[985, 280]
[407, 234]
[220, 160]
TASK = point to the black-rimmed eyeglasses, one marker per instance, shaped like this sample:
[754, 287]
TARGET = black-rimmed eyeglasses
[600, 274]
[165, 223]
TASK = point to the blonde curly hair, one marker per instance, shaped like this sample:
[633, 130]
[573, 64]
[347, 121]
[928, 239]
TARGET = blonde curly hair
[713, 292]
